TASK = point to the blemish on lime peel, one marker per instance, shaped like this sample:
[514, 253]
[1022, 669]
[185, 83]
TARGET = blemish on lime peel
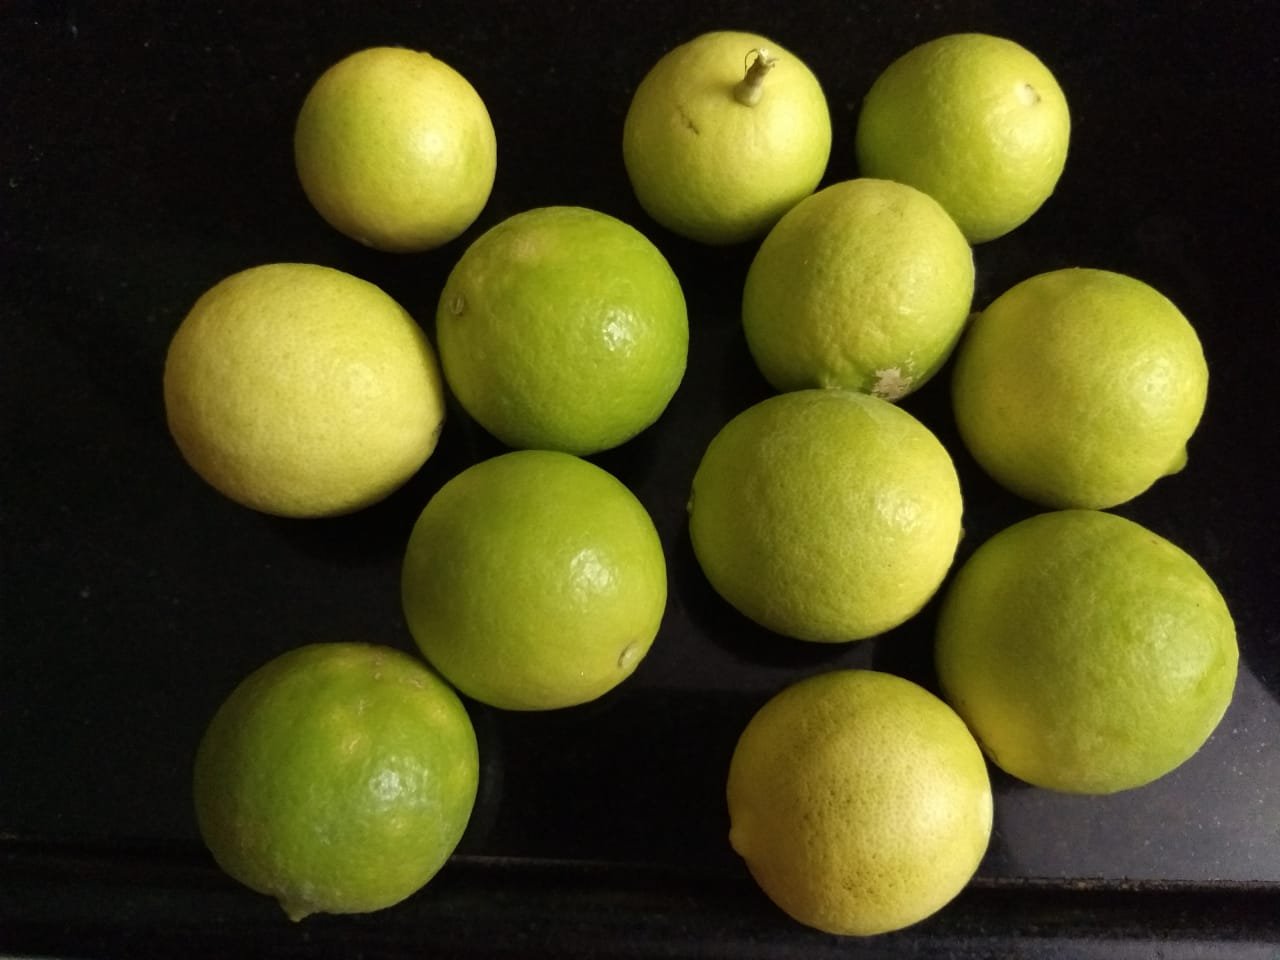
[629, 656]
[892, 384]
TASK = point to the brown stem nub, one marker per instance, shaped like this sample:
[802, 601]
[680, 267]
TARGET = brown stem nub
[750, 87]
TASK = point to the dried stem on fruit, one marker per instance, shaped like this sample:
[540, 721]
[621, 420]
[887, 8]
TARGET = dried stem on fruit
[751, 87]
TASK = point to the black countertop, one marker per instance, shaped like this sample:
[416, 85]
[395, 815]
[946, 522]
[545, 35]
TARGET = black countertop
[145, 153]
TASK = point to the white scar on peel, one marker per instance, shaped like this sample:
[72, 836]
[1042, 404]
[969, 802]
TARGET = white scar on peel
[891, 383]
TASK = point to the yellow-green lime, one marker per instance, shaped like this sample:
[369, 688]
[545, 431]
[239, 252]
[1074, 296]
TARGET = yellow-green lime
[977, 122]
[1086, 653]
[395, 149]
[865, 285]
[302, 391]
[337, 778]
[724, 134]
[859, 801]
[563, 328]
[825, 515]
[1079, 388]
[534, 580]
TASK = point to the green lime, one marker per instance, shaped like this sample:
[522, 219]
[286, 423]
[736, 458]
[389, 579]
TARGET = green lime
[302, 391]
[534, 580]
[825, 515]
[563, 328]
[859, 801]
[975, 121]
[1086, 653]
[1079, 388]
[865, 285]
[337, 778]
[724, 135]
[395, 149]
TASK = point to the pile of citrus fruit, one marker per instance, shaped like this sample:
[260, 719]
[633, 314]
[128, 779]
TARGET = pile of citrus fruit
[1075, 649]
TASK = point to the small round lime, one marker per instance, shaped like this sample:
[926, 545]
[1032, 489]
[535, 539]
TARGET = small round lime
[395, 149]
[724, 135]
[825, 515]
[975, 121]
[865, 285]
[534, 580]
[859, 801]
[1079, 388]
[563, 328]
[337, 778]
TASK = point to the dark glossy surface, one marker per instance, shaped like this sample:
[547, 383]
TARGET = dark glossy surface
[145, 154]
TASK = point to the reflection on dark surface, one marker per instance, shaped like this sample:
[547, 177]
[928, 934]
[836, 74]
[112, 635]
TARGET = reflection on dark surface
[1205, 820]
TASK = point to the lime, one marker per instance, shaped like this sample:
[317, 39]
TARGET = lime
[975, 121]
[563, 328]
[1079, 388]
[534, 580]
[337, 778]
[864, 285]
[724, 135]
[825, 515]
[859, 801]
[302, 391]
[1087, 653]
[395, 149]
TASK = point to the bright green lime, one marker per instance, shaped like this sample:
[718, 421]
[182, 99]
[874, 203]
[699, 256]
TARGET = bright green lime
[337, 778]
[562, 328]
[534, 580]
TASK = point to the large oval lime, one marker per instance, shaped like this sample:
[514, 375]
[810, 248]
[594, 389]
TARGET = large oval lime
[302, 391]
[975, 121]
